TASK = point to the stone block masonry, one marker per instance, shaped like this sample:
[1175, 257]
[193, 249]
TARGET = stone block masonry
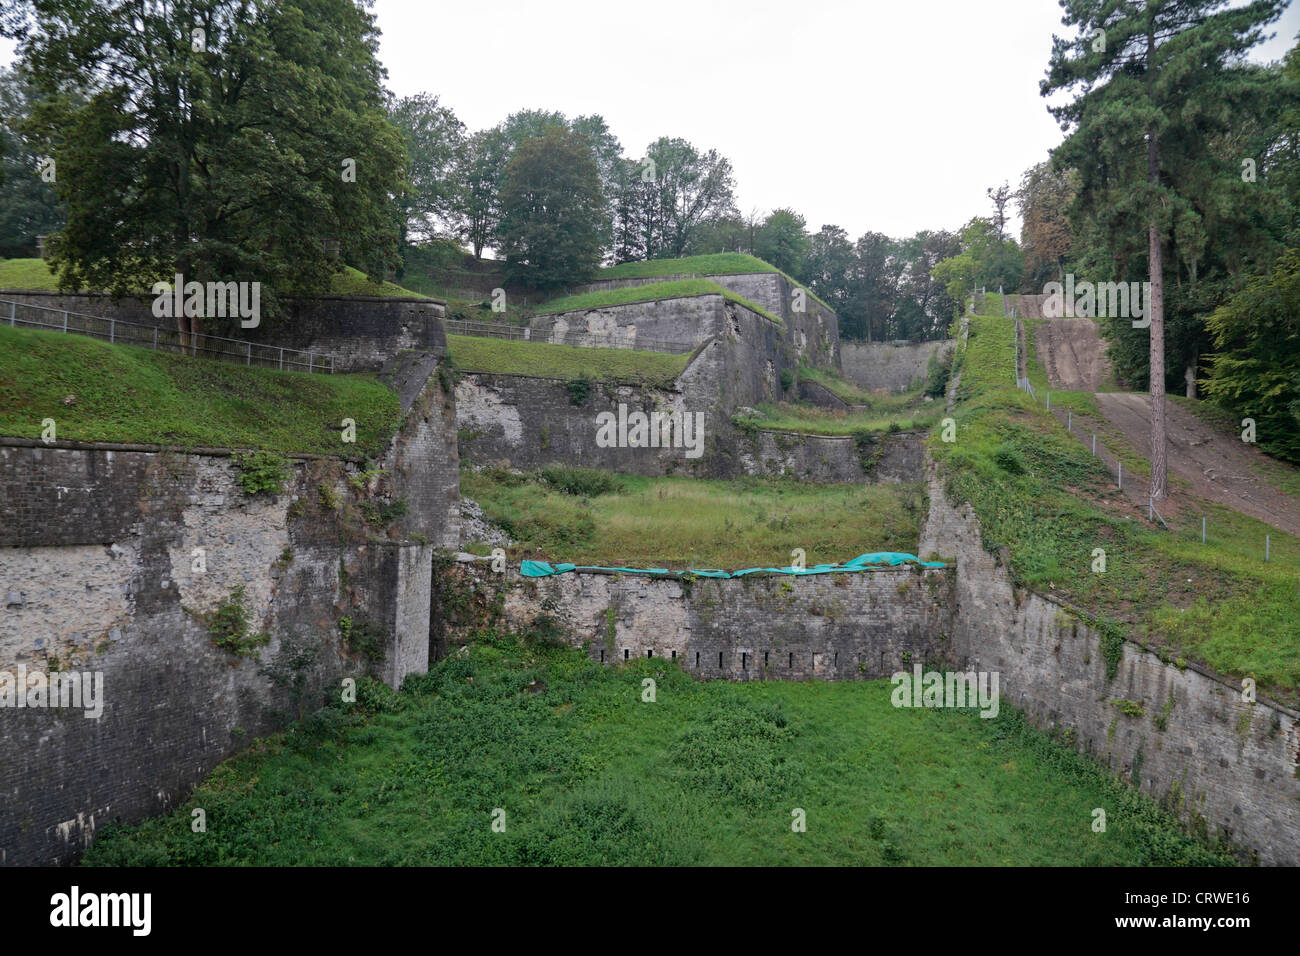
[890, 366]
[858, 626]
[117, 555]
[1183, 735]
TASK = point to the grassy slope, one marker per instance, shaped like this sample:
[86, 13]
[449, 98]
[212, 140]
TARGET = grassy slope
[715, 264]
[474, 354]
[837, 385]
[1216, 603]
[822, 421]
[34, 275]
[135, 395]
[645, 293]
[681, 523]
[708, 774]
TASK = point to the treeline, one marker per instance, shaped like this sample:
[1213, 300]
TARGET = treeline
[248, 141]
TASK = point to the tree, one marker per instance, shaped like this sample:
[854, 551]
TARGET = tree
[1001, 196]
[477, 204]
[29, 206]
[222, 139]
[783, 241]
[1044, 199]
[435, 139]
[873, 287]
[551, 211]
[1152, 75]
[681, 189]
[1256, 373]
[829, 267]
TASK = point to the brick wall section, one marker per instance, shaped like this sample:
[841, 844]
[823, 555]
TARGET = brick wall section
[885, 365]
[360, 332]
[832, 627]
[1223, 761]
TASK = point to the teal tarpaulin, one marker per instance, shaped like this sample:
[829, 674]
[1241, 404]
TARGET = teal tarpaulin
[540, 569]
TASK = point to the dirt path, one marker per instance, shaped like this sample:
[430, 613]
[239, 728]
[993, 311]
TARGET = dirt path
[1073, 354]
[1218, 466]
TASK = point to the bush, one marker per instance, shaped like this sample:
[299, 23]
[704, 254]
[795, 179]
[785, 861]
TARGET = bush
[937, 373]
[228, 625]
[787, 379]
[579, 390]
[1009, 459]
[262, 472]
[580, 482]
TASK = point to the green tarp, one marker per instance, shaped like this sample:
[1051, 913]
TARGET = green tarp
[863, 562]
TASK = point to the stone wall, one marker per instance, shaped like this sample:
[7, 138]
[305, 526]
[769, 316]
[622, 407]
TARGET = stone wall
[1197, 744]
[117, 554]
[886, 365]
[360, 332]
[858, 626]
[812, 333]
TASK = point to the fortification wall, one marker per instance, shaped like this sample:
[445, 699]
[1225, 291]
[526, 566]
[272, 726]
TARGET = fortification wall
[885, 365]
[362, 333]
[1197, 744]
[113, 557]
[858, 626]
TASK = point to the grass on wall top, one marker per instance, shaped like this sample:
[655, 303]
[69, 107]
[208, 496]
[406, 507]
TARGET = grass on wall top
[714, 264]
[95, 391]
[645, 293]
[34, 275]
[477, 354]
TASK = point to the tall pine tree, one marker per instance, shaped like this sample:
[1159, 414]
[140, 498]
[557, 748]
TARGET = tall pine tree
[1151, 73]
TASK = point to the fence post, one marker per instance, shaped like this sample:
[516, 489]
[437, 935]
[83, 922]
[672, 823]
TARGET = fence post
[1202, 531]
[13, 310]
[308, 363]
[1094, 445]
[1266, 547]
[1069, 421]
[1121, 475]
[282, 358]
[112, 325]
[249, 360]
[1049, 401]
[155, 338]
[331, 363]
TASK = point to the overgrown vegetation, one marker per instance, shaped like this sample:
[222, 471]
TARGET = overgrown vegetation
[593, 518]
[653, 291]
[262, 472]
[229, 626]
[707, 775]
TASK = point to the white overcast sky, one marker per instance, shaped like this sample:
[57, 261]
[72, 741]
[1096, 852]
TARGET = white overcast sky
[885, 115]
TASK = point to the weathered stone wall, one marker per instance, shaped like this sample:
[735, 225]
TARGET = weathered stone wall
[891, 457]
[99, 574]
[1197, 743]
[859, 626]
[812, 332]
[684, 321]
[885, 365]
[360, 332]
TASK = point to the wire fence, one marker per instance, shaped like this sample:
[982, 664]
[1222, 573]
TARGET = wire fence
[595, 340]
[121, 332]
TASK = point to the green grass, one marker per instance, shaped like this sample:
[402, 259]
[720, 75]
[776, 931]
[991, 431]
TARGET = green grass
[811, 420]
[708, 774]
[714, 264]
[1039, 492]
[646, 293]
[683, 522]
[126, 394]
[34, 275]
[838, 386]
[475, 354]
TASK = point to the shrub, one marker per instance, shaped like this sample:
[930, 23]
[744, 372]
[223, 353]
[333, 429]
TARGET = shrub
[579, 482]
[228, 625]
[579, 390]
[1009, 459]
[262, 472]
[787, 379]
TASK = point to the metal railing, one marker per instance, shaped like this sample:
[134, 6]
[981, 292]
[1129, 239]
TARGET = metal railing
[121, 332]
[595, 340]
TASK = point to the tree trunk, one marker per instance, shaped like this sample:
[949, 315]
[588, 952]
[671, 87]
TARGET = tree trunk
[1189, 376]
[1156, 312]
